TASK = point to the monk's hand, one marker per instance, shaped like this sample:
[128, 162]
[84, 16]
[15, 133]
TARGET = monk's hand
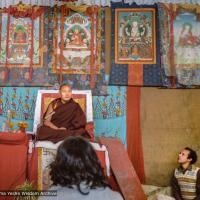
[62, 128]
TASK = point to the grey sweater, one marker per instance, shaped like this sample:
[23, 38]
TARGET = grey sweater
[65, 193]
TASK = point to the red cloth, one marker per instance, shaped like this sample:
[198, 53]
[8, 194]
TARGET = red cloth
[13, 162]
[33, 167]
[134, 138]
[135, 74]
[90, 129]
[15, 138]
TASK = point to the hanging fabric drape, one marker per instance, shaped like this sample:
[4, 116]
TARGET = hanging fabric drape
[107, 40]
[64, 12]
[7, 39]
[173, 71]
[91, 11]
[7, 3]
[55, 38]
[31, 50]
[135, 74]
[134, 136]
[150, 2]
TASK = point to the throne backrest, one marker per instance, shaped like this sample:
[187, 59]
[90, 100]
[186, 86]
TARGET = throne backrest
[44, 97]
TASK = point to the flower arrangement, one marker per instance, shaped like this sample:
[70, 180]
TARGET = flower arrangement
[22, 124]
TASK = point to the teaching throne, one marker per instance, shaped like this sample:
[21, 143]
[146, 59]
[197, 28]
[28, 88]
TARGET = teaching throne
[43, 152]
[82, 97]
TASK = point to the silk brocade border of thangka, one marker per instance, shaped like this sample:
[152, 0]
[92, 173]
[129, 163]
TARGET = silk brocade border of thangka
[77, 44]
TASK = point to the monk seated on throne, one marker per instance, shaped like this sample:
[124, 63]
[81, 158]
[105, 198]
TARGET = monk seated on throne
[64, 117]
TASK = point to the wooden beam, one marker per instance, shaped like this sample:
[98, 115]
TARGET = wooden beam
[123, 169]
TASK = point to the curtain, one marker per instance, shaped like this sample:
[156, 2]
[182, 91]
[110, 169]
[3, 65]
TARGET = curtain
[7, 3]
[134, 137]
[150, 2]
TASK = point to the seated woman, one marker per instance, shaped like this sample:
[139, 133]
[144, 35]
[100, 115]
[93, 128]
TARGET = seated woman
[64, 117]
[76, 173]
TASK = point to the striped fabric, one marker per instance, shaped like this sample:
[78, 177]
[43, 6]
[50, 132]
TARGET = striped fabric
[187, 182]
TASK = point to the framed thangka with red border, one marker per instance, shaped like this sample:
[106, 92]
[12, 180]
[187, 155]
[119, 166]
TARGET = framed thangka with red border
[187, 48]
[23, 50]
[135, 36]
[77, 44]
[180, 45]
[19, 41]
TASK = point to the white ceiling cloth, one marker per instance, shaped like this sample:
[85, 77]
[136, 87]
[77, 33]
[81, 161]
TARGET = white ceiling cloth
[7, 3]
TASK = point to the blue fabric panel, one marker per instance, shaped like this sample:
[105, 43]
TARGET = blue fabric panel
[110, 113]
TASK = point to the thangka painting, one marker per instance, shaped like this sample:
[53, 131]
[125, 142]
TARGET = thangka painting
[180, 45]
[187, 48]
[19, 42]
[23, 49]
[77, 44]
[135, 36]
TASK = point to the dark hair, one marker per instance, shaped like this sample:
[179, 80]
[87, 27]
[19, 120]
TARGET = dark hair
[192, 154]
[76, 162]
[63, 85]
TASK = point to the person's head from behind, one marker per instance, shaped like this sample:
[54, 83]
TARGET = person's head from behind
[76, 163]
[187, 156]
[65, 92]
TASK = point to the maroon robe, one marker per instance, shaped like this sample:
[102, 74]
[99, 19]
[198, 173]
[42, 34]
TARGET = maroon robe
[68, 115]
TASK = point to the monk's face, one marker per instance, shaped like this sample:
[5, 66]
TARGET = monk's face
[66, 93]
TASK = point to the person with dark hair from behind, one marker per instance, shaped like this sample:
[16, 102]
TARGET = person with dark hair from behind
[64, 117]
[186, 178]
[77, 175]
